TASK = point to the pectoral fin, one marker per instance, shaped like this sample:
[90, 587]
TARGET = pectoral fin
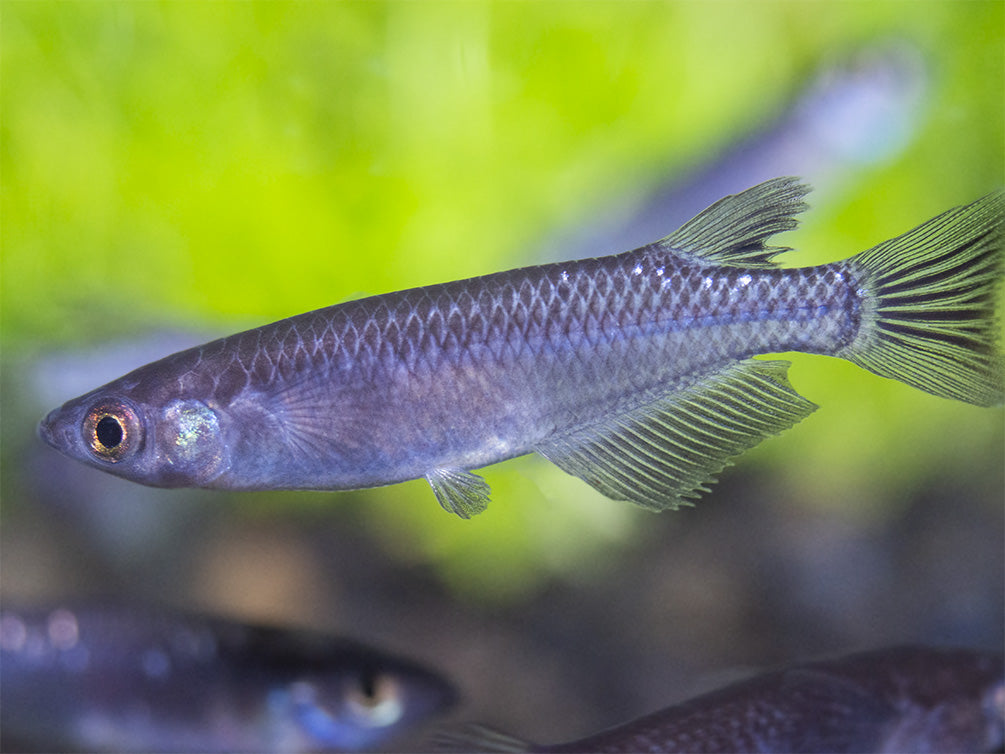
[481, 738]
[661, 454]
[459, 491]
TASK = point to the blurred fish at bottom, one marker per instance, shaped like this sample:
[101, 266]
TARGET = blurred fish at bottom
[904, 699]
[123, 679]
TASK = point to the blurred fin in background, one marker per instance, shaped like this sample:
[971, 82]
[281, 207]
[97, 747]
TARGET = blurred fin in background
[116, 678]
[859, 110]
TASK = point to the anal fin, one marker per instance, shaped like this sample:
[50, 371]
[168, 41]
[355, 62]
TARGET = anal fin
[666, 452]
[459, 491]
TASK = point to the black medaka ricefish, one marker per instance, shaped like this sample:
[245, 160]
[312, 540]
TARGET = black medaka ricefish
[632, 372]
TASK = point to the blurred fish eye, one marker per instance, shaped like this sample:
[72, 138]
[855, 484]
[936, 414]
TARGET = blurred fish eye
[111, 431]
[376, 697]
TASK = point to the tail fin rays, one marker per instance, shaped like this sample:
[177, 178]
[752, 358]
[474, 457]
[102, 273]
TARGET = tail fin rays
[928, 313]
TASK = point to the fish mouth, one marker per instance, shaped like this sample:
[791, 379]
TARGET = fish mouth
[51, 433]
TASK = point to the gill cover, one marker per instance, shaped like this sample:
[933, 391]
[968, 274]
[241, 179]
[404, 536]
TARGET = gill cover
[190, 442]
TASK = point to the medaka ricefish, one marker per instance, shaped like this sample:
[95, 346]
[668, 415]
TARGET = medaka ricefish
[632, 372]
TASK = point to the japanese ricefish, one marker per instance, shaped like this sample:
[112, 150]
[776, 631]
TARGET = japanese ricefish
[113, 678]
[632, 372]
[905, 699]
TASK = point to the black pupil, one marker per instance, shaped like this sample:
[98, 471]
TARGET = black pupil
[368, 684]
[108, 431]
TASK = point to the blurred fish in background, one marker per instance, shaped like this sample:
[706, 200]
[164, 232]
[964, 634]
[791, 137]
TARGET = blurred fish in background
[903, 699]
[130, 679]
[160, 168]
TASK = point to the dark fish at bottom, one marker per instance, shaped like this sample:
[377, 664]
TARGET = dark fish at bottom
[908, 699]
[116, 679]
[632, 372]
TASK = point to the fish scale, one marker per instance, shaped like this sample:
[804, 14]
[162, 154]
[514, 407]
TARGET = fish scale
[632, 371]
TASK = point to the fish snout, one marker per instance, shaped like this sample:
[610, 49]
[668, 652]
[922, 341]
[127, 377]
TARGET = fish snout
[54, 431]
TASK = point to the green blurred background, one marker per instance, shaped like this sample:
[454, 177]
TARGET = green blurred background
[216, 166]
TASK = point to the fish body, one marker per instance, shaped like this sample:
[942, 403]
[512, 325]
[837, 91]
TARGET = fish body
[632, 371]
[117, 679]
[905, 699]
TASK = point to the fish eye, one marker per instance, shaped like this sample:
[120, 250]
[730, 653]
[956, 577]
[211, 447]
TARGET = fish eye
[377, 696]
[111, 431]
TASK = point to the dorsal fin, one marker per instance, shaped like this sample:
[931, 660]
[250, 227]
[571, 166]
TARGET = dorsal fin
[733, 230]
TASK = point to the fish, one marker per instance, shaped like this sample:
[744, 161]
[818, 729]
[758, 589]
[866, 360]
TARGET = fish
[130, 678]
[900, 699]
[634, 372]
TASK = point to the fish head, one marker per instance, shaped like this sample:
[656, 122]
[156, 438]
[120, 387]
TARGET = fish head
[145, 436]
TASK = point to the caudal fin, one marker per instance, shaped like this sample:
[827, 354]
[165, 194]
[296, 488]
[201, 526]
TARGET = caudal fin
[928, 304]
